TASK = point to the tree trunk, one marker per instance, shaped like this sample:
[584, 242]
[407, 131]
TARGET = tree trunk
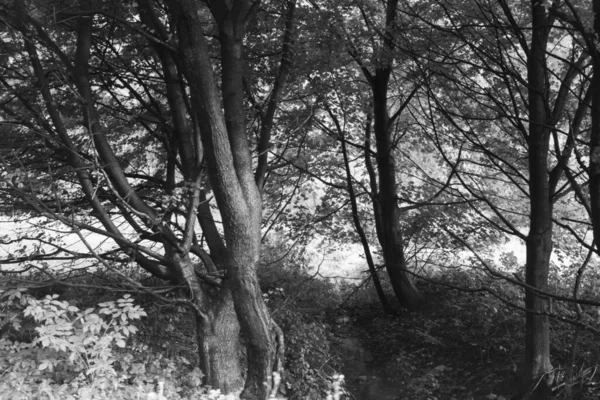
[393, 254]
[219, 347]
[539, 242]
[389, 230]
[256, 327]
[537, 327]
[217, 329]
[355, 216]
[595, 134]
[221, 116]
[385, 205]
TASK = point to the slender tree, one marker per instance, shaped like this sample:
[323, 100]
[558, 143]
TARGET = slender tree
[377, 65]
[539, 241]
[495, 77]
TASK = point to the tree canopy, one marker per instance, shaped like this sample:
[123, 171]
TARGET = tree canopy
[188, 135]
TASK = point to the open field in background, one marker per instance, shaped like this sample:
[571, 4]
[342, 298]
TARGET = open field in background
[346, 261]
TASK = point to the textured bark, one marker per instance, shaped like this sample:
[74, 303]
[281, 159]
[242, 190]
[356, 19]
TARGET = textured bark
[220, 347]
[223, 131]
[217, 331]
[256, 324]
[539, 241]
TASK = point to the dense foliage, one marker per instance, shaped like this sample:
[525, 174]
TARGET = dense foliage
[213, 157]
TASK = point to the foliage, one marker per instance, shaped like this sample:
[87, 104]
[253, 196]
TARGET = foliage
[99, 131]
[83, 337]
[89, 354]
[98, 352]
[461, 345]
[12, 304]
[302, 306]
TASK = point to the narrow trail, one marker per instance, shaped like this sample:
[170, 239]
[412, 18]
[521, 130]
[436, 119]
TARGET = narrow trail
[438, 353]
[362, 380]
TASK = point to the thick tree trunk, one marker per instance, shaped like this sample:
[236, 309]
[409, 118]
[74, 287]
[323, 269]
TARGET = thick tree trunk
[243, 244]
[595, 135]
[256, 324]
[242, 216]
[539, 242]
[217, 330]
[537, 327]
[222, 126]
[219, 347]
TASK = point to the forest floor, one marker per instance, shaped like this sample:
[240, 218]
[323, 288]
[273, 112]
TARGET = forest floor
[459, 346]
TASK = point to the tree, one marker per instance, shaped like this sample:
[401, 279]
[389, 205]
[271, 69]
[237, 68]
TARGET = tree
[539, 241]
[100, 94]
[385, 205]
[477, 83]
[230, 166]
[376, 64]
[594, 146]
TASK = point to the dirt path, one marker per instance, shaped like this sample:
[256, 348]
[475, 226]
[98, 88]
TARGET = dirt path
[441, 353]
[363, 381]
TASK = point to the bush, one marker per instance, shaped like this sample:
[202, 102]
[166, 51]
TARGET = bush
[87, 354]
[302, 306]
[82, 341]
[51, 348]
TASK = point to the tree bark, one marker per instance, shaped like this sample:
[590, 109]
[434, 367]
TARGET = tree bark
[387, 213]
[539, 241]
[390, 230]
[223, 132]
[220, 347]
[595, 134]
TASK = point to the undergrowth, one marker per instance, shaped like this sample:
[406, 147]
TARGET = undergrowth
[302, 306]
[84, 344]
[464, 345]
[86, 354]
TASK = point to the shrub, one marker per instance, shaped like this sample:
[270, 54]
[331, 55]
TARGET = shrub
[302, 306]
[82, 341]
[83, 354]
[95, 353]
